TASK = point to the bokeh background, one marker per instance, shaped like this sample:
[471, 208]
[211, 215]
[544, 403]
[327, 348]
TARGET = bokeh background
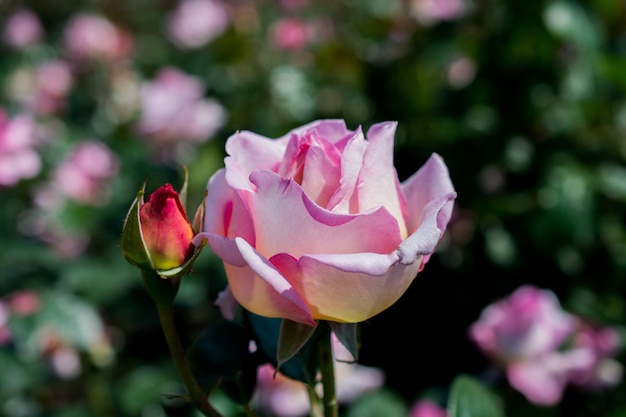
[525, 101]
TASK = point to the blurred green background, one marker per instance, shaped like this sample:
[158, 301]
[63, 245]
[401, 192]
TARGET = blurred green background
[525, 101]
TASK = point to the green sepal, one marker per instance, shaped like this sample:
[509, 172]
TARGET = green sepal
[162, 291]
[132, 243]
[291, 339]
[184, 269]
[347, 335]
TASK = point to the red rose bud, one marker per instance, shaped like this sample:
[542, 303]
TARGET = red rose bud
[157, 234]
[166, 230]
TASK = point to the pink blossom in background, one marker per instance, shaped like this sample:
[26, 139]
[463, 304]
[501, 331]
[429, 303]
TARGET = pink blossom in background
[22, 29]
[528, 323]
[42, 89]
[5, 332]
[173, 109]
[542, 348]
[18, 158]
[84, 176]
[290, 33]
[427, 408]
[601, 344]
[430, 12]
[23, 302]
[195, 23]
[284, 397]
[94, 37]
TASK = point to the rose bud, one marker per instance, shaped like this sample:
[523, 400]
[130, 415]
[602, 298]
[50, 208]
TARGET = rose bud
[157, 234]
[315, 225]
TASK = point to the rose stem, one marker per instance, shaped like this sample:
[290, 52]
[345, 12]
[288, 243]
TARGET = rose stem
[331, 408]
[196, 396]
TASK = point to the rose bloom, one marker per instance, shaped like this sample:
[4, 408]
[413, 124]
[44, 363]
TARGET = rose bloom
[315, 225]
[86, 172]
[18, 158]
[528, 323]
[194, 23]
[174, 110]
[93, 37]
[22, 29]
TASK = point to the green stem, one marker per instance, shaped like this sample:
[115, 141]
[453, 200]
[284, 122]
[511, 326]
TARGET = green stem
[196, 396]
[314, 399]
[331, 406]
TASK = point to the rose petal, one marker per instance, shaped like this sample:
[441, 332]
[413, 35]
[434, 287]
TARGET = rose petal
[218, 228]
[364, 293]
[262, 289]
[345, 200]
[286, 220]
[250, 152]
[378, 181]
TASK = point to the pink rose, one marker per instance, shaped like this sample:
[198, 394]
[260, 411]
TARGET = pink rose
[315, 225]
[528, 323]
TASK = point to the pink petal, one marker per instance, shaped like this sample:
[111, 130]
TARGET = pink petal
[430, 182]
[378, 180]
[286, 220]
[333, 130]
[368, 283]
[251, 152]
[424, 240]
[218, 228]
[262, 289]
[345, 199]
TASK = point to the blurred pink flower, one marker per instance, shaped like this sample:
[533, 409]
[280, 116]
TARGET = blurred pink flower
[174, 110]
[93, 37]
[427, 408]
[429, 12]
[22, 29]
[85, 173]
[24, 302]
[285, 397]
[528, 323]
[18, 157]
[290, 33]
[42, 89]
[5, 332]
[542, 348]
[601, 344]
[195, 23]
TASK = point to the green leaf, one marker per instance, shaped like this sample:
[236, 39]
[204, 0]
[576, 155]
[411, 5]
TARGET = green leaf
[470, 398]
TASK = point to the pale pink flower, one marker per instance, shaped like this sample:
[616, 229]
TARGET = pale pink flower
[195, 23]
[85, 174]
[174, 109]
[18, 158]
[94, 37]
[526, 324]
[318, 223]
[22, 29]
[543, 349]
[5, 332]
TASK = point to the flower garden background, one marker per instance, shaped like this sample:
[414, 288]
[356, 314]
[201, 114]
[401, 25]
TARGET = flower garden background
[525, 102]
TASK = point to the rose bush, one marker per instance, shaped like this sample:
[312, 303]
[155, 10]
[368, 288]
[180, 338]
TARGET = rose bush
[315, 225]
